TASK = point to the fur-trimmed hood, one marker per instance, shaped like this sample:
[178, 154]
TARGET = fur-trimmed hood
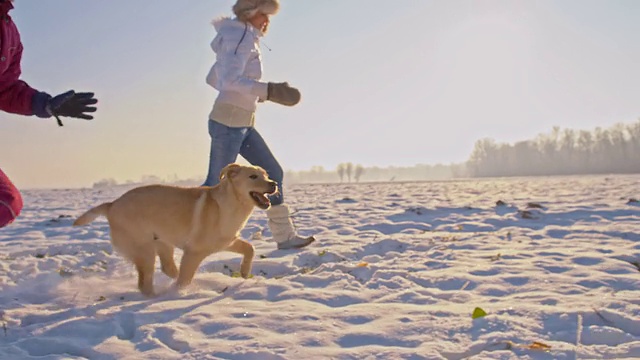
[222, 22]
[232, 28]
[245, 9]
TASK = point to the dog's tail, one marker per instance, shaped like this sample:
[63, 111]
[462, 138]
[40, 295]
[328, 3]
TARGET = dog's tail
[92, 214]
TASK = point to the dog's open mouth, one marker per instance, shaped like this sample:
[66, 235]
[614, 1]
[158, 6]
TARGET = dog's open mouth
[261, 200]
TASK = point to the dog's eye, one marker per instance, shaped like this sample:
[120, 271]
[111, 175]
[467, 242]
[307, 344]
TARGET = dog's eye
[253, 177]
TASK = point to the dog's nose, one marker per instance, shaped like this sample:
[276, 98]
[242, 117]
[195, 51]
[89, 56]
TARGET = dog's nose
[273, 186]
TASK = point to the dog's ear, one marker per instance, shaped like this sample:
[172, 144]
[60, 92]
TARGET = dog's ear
[230, 171]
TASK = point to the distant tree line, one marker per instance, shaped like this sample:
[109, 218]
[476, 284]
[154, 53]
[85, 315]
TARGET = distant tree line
[349, 172]
[614, 150]
[145, 180]
[561, 152]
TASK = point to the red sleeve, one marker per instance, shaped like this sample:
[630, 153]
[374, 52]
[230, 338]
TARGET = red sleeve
[15, 95]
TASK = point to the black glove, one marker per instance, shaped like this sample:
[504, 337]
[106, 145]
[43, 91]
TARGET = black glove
[72, 104]
[284, 94]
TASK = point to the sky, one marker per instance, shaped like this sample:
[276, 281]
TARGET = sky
[384, 83]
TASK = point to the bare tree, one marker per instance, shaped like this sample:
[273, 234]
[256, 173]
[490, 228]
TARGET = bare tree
[341, 170]
[349, 169]
[358, 172]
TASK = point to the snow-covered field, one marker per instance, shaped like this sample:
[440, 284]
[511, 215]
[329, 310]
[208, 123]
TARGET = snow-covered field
[397, 272]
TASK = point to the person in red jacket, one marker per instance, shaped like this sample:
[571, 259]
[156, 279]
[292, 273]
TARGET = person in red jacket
[17, 97]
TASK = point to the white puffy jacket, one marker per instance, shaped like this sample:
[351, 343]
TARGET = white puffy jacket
[236, 73]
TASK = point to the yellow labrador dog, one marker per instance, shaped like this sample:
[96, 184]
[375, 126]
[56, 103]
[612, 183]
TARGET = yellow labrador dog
[155, 219]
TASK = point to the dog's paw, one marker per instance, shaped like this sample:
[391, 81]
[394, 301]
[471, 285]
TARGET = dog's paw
[148, 293]
[173, 289]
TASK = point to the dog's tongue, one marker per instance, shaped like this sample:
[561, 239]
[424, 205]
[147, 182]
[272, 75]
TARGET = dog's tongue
[261, 200]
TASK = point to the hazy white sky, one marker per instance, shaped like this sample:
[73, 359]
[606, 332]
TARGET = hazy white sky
[383, 82]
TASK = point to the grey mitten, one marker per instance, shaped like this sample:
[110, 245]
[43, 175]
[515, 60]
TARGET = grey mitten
[284, 94]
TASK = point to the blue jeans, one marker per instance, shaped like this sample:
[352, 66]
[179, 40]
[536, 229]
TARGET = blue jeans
[229, 142]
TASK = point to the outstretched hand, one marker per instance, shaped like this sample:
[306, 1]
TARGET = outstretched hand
[72, 104]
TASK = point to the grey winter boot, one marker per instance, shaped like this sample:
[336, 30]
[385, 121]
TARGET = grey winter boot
[282, 229]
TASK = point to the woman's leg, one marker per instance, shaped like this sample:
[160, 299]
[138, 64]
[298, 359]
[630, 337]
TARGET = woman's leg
[225, 147]
[255, 150]
[10, 201]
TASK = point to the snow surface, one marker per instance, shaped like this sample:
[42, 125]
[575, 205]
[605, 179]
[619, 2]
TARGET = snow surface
[396, 274]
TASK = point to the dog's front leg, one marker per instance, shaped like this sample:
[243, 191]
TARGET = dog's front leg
[190, 262]
[240, 246]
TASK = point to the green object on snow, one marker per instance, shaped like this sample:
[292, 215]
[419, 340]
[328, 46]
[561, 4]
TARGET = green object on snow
[478, 313]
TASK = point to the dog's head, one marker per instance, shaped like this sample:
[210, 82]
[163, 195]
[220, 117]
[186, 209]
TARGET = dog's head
[250, 182]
